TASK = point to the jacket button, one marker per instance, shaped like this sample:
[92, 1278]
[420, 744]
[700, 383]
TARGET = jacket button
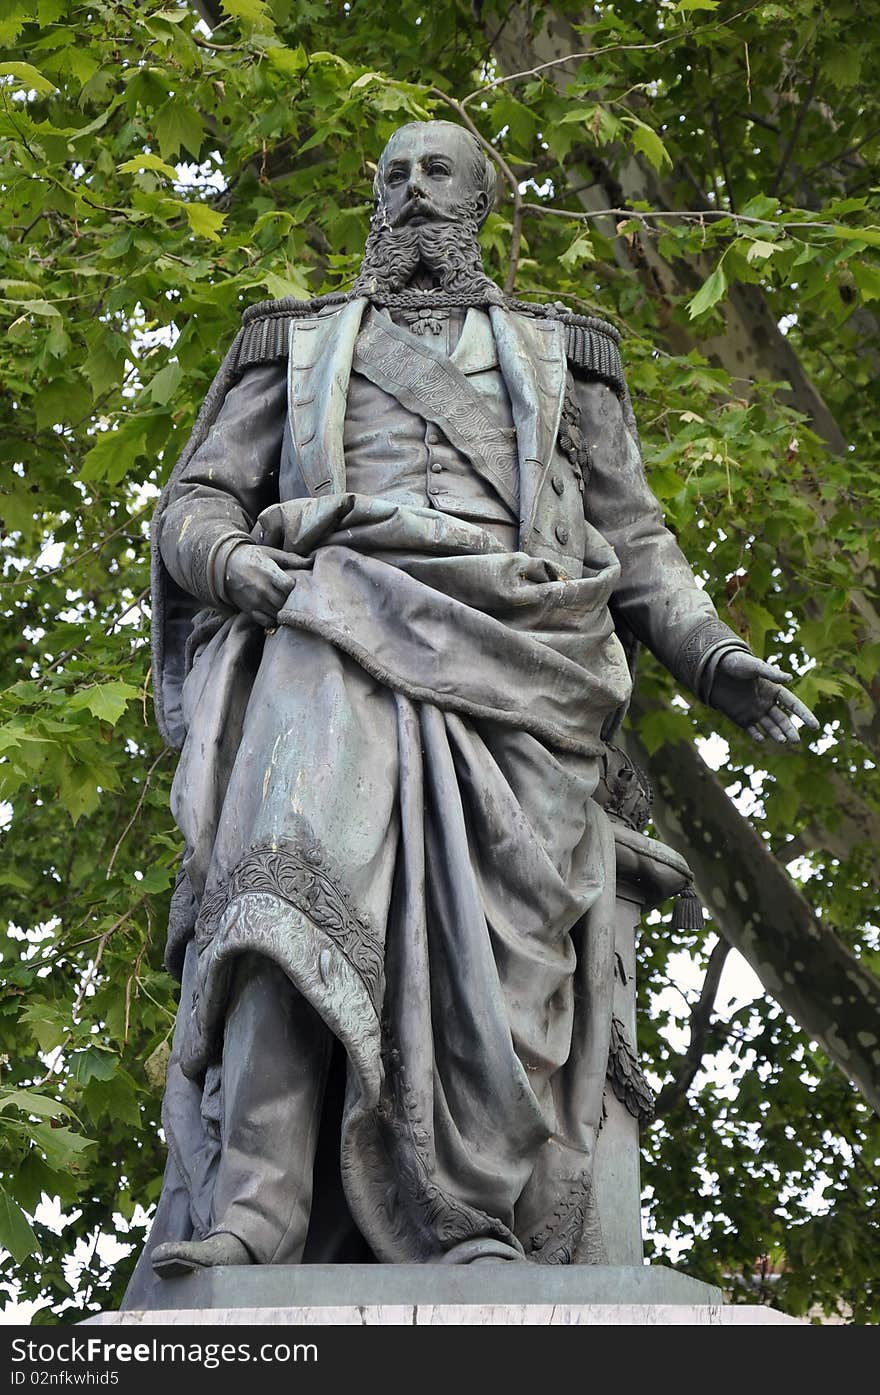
[562, 533]
[436, 468]
[432, 438]
[558, 484]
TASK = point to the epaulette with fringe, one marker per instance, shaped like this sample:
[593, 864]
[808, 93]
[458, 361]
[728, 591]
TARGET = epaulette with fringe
[593, 351]
[591, 344]
[265, 328]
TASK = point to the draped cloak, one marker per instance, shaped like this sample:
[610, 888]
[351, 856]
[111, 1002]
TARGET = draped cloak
[390, 796]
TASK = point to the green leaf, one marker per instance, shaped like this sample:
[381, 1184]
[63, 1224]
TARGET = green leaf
[165, 383]
[148, 162]
[711, 291]
[204, 221]
[759, 250]
[684, 6]
[42, 308]
[116, 1099]
[252, 13]
[29, 1102]
[81, 63]
[105, 364]
[16, 1235]
[26, 76]
[649, 144]
[843, 65]
[94, 1063]
[47, 1027]
[760, 623]
[291, 61]
[522, 122]
[106, 701]
[760, 206]
[61, 1147]
[598, 122]
[179, 127]
[867, 278]
[279, 286]
[870, 236]
[581, 250]
[14, 881]
[77, 789]
[115, 451]
[34, 1179]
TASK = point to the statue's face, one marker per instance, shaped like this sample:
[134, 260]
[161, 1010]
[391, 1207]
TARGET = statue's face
[428, 176]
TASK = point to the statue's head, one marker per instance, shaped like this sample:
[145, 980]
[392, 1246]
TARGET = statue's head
[434, 188]
[433, 172]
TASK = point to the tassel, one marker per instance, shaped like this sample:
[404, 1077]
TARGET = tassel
[687, 913]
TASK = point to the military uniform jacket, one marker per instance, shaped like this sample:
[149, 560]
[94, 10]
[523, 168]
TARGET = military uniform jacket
[272, 428]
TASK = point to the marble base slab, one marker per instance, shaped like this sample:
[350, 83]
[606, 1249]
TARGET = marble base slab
[460, 1315]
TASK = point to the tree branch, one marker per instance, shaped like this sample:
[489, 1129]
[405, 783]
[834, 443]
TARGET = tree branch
[719, 141]
[161, 756]
[701, 1022]
[796, 129]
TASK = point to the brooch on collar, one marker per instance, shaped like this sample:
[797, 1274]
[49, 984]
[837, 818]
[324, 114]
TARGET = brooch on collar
[426, 321]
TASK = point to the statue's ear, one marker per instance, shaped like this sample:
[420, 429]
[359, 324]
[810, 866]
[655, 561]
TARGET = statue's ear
[484, 207]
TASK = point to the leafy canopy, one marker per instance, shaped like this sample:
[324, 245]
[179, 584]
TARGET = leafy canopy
[159, 176]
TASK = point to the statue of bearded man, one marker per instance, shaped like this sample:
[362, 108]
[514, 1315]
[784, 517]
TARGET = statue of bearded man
[397, 574]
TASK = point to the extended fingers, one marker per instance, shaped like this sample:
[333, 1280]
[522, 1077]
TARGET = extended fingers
[777, 726]
[771, 728]
[797, 709]
[787, 729]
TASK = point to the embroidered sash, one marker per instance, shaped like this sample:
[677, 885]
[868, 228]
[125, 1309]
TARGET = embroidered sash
[425, 381]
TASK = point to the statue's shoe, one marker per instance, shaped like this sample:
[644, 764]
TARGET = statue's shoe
[480, 1250]
[183, 1256]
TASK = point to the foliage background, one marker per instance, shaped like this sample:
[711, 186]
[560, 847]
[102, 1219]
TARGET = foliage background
[160, 173]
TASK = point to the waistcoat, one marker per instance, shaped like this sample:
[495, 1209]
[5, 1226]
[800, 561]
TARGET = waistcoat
[392, 453]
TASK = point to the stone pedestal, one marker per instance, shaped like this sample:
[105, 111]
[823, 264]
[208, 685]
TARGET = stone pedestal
[491, 1294]
[648, 872]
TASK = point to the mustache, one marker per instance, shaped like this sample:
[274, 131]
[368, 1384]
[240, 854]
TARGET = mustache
[420, 207]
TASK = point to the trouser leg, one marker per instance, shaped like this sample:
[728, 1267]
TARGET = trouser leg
[276, 1054]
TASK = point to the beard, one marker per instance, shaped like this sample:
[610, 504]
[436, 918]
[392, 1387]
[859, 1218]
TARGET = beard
[449, 253]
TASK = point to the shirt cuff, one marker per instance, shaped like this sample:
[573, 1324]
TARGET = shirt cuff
[699, 654]
[217, 563]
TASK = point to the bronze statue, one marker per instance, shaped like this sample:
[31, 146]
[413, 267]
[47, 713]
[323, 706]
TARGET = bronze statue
[399, 571]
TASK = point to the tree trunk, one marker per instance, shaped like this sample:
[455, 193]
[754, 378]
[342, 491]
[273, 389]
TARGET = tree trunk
[758, 909]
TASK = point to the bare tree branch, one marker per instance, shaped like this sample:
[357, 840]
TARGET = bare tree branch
[700, 1025]
[796, 129]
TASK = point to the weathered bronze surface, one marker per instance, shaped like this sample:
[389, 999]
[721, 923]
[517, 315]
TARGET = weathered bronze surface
[400, 571]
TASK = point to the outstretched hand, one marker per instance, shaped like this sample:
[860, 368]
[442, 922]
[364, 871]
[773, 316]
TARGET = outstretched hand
[748, 691]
